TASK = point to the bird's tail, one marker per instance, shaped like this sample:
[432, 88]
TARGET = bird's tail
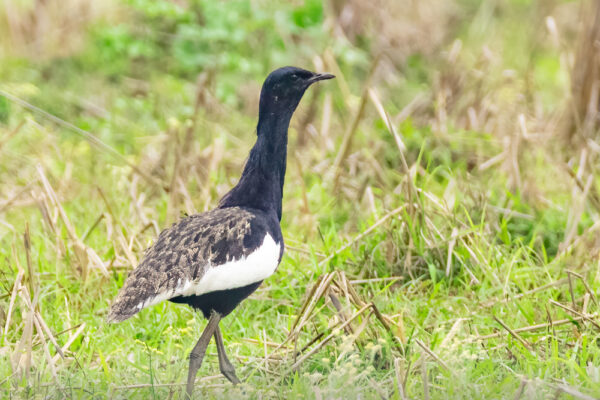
[122, 309]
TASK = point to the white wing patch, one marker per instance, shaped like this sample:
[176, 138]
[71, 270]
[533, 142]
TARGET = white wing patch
[257, 266]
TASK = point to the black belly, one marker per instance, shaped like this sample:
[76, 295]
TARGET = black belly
[222, 301]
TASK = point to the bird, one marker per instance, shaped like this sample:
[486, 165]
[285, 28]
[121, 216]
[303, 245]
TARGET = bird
[213, 260]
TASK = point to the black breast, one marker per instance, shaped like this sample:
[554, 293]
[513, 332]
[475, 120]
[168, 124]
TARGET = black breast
[222, 301]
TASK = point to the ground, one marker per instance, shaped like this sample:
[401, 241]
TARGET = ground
[440, 210]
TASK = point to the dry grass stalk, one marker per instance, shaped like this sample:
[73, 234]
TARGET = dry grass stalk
[47, 29]
[527, 329]
[314, 340]
[172, 208]
[588, 318]
[171, 384]
[27, 245]
[411, 189]
[401, 28]
[315, 349]
[326, 140]
[451, 250]
[333, 66]
[576, 244]
[360, 236]
[590, 194]
[301, 250]
[85, 255]
[340, 311]
[41, 326]
[434, 356]
[353, 338]
[585, 75]
[527, 293]
[587, 286]
[120, 236]
[11, 134]
[50, 220]
[452, 332]
[392, 279]
[400, 383]
[265, 342]
[346, 145]
[586, 303]
[92, 139]
[69, 342]
[400, 334]
[133, 261]
[137, 201]
[424, 378]
[22, 355]
[46, 352]
[348, 289]
[477, 260]
[377, 388]
[5, 205]
[386, 118]
[305, 207]
[521, 389]
[571, 291]
[308, 118]
[364, 324]
[182, 163]
[314, 295]
[331, 286]
[320, 286]
[513, 333]
[574, 392]
[157, 385]
[11, 303]
[577, 209]
[370, 198]
[92, 227]
[39, 320]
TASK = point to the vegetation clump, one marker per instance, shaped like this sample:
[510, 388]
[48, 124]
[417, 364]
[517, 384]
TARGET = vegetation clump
[441, 208]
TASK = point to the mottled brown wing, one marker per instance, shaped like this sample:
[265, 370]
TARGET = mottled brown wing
[184, 251]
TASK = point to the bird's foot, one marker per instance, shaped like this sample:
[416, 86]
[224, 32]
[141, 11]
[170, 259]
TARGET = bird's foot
[229, 373]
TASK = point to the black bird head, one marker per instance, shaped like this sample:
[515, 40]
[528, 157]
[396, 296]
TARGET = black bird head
[283, 89]
[261, 184]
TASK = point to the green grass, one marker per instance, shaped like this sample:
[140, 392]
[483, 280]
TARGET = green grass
[476, 245]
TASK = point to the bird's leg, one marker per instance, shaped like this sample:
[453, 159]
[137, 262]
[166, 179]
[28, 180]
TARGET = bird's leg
[224, 363]
[199, 350]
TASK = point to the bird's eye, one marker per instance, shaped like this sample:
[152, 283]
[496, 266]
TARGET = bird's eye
[294, 77]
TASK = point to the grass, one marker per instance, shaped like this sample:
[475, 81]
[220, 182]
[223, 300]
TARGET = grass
[440, 228]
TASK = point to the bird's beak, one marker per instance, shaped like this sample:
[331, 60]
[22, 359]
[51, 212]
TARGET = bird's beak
[320, 77]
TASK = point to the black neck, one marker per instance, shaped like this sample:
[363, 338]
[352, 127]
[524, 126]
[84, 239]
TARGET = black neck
[261, 184]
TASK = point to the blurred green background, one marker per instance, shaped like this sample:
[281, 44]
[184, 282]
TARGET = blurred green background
[447, 175]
